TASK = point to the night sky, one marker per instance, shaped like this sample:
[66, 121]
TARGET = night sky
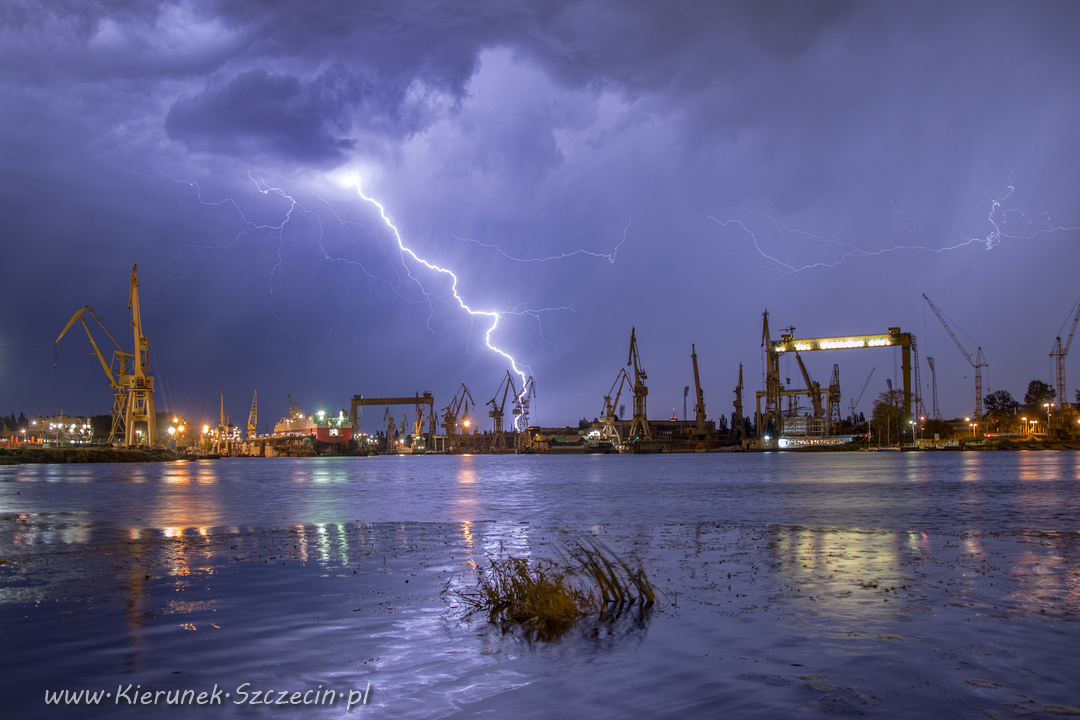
[582, 167]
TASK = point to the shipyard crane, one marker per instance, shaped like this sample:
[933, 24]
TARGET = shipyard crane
[978, 363]
[498, 440]
[738, 425]
[129, 375]
[933, 387]
[1058, 353]
[116, 370]
[391, 429]
[639, 425]
[221, 446]
[920, 407]
[418, 426]
[522, 401]
[140, 406]
[773, 386]
[253, 417]
[855, 401]
[834, 399]
[608, 417]
[813, 388]
[457, 409]
[699, 406]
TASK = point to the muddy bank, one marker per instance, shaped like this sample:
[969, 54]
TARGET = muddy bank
[17, 456]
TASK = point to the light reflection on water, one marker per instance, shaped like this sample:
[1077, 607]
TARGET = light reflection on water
[904, 491]
[797, 548]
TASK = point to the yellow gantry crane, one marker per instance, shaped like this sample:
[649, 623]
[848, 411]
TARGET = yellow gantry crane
[128, 373]
[253, 417]
[639, 425]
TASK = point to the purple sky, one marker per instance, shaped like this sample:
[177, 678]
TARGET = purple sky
[685, 166]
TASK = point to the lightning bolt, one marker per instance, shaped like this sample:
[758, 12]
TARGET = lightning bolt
[834, 252]
[610, 257]
[274, 231]
[494, 315]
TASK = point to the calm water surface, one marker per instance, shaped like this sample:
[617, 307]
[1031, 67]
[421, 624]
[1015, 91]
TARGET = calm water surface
[888, 584]
[943, 491]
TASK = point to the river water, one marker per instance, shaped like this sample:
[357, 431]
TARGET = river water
[888, 584]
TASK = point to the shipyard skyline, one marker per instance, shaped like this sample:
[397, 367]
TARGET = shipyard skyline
[581, 169]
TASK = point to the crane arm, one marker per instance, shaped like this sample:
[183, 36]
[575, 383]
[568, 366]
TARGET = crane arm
[863, 390]
[97, 351]
[617, 388]
[815, 397]
[700, 407]
[948, 330]
[1072, 331]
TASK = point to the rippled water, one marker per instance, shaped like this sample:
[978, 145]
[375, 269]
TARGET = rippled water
[893, 584]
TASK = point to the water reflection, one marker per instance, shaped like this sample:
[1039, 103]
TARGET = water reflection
[972, 466]
[851, 574]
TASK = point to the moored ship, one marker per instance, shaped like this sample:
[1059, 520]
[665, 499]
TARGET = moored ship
[321, 427]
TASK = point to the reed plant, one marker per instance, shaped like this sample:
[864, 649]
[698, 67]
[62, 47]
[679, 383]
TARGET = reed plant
[544, 598]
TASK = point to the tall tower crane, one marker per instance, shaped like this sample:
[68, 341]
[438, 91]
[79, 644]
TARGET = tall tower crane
[639, 425]
[253, 417]
[1058, 353]
[498, 440]
[978, 363]
[738, 426]
[833, 418]
[699, 406]
[140, 406]
[933, 386]
[920, 407]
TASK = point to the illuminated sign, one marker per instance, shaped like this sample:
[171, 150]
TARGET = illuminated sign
[838, 343]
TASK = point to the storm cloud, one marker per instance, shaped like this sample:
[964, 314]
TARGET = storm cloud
[583, 167]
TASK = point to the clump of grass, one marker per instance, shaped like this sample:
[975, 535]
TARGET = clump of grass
[545, 598]
[618, 585]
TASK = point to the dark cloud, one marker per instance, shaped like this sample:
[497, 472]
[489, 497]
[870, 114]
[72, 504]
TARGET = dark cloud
[257, 112]
[500, 132]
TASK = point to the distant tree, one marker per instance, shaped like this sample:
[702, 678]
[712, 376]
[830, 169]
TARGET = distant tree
[583, 424]
[1001, 401]
[722, 424]
[887, 415]
[937, 427]
[1037, 394]
[101, 425]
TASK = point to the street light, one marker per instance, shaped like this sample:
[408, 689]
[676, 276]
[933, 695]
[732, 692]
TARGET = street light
[1048, 406]
[973, 429]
